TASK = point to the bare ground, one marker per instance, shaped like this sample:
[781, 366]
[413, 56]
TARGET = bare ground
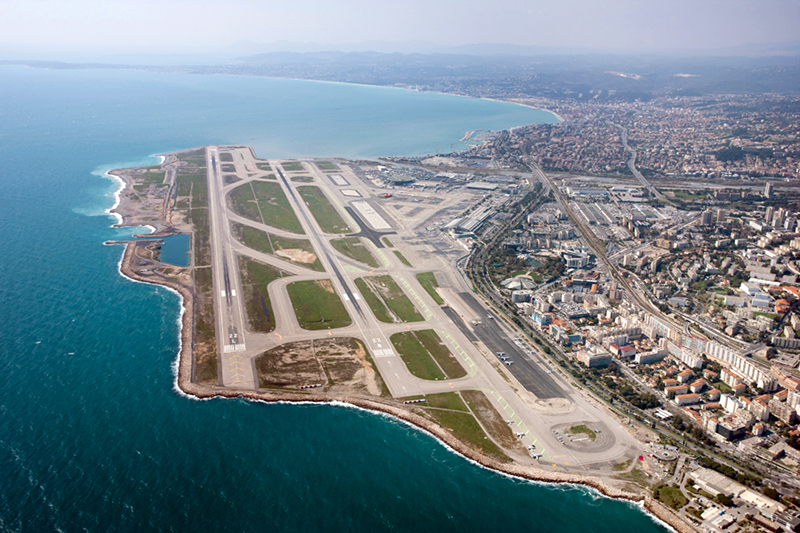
[297, 255]
[339, 364]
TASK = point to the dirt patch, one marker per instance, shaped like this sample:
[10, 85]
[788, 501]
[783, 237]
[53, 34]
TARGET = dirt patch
[325, 285]
[297, 255]
[555, 406]
[340, 365]
[290, 365]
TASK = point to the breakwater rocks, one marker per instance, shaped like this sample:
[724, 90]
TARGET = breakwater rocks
[186, 385]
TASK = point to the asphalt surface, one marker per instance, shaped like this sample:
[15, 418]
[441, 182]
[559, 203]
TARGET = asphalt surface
[530, 374]
[459, 323]
[366, 231]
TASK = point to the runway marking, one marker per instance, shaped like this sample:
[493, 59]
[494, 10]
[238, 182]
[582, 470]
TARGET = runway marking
[472, 368]
[517, 420]
[233, 348]
[425, 310]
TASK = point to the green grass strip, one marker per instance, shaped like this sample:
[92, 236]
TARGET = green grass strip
[353, 248]
[329, 220]
[317, 306]
[429, 283]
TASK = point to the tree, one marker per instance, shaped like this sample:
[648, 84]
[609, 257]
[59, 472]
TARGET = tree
[769, 492]
[724, 499]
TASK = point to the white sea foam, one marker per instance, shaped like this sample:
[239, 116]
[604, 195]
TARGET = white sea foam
[120, 187]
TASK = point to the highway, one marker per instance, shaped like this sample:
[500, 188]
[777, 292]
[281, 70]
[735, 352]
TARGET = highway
[632, 165]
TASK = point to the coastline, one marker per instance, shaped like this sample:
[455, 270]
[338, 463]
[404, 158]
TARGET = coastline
[559, 117]
[183, 369]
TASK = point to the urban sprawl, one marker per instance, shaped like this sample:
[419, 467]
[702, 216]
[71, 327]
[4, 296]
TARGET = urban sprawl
[660, 270]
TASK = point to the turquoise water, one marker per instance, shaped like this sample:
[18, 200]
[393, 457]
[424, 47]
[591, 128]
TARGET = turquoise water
[93, 435]
[175, 250]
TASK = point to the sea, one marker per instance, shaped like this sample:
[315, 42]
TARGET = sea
[94, 435]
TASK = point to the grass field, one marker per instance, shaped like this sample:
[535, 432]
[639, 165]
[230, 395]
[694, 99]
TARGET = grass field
[262, 201]
[201, 236]
[426, 356]
[194, 157]
[387, 242]
[264, 166]
[446, 400]
[429, 283]
[192, 185]
[242, 201]
[205, 352]
[353, 248]
[292, 166]
[326, 165]
[230, 178]
[387, 300]
[491, 419]
[275, 207]
[303, 179]
[226, 157]
[329, 220]
[402, 258]
[374, 301]
[582, 429]
[466, 428]
[153, 176]
[255, 279]
[671, 496]
[298, 251]
[317, 305]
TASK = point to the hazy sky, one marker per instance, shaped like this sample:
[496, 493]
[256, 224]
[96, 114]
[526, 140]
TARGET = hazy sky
[187, 25]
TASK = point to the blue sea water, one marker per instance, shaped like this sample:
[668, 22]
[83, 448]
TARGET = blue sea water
[175, 250]
[94, 437]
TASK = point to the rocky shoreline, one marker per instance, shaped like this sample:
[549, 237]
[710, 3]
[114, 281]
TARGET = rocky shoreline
[185, 384]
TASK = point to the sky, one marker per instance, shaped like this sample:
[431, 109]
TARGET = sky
[58, 27]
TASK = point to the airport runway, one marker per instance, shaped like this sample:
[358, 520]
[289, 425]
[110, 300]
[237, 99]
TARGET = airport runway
[228, 305]
[559, 405]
